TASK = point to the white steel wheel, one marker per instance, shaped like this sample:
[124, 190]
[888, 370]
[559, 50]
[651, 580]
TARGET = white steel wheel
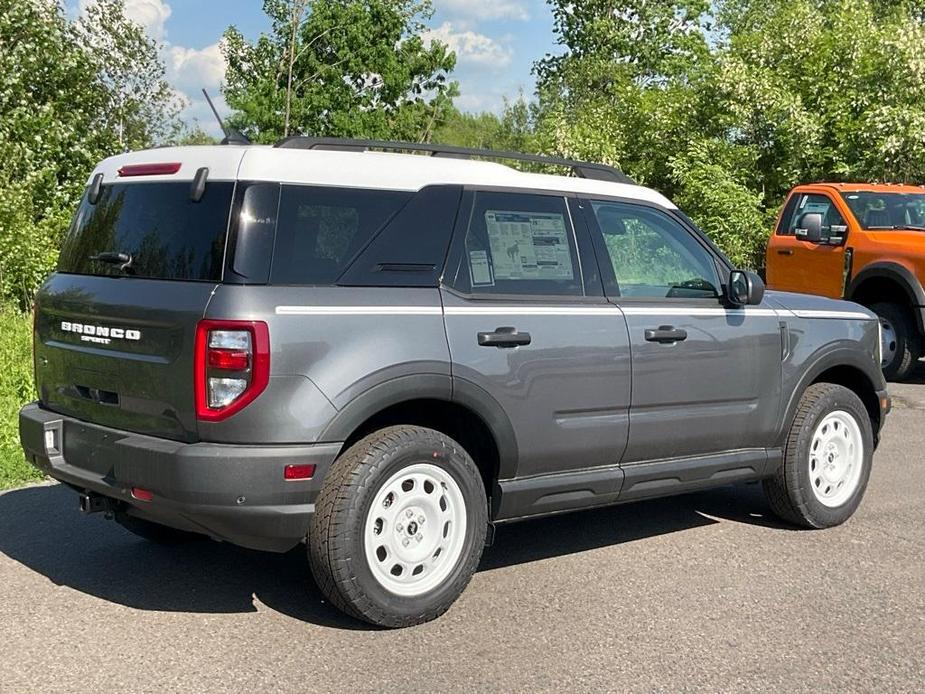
[415, 530]
[889, 342]
[836, 458]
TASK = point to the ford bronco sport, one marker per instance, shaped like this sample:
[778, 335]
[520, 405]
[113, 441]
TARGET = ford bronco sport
[383, 355]
[864, 243]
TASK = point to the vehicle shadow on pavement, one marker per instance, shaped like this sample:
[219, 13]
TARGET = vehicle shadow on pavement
[43, 530]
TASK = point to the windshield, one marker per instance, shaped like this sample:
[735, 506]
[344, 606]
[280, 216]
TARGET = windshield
[150, 230]
[888, 210]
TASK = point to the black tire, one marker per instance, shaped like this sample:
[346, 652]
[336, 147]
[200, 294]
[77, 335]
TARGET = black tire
[155, 532]
[336, 546]
[908, 343]
[790, 491]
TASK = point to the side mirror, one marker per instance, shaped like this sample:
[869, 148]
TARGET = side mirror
[809, 227]
[745, 288]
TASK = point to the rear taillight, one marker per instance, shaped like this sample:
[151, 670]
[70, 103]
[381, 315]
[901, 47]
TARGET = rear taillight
[232, 366]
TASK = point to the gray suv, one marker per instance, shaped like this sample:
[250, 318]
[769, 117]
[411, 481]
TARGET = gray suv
[383, 355]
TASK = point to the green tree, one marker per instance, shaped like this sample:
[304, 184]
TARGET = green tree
[71, 93]
[340, 68]
[724, 106]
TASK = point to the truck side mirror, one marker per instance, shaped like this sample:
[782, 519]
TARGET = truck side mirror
[745, 288]
[809, 227]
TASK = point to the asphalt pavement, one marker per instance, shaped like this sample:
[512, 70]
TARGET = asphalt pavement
[705, 592]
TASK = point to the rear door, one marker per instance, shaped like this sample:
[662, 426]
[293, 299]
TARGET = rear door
[796, 265]
[529, 327]
[706, 378]
[114, 340]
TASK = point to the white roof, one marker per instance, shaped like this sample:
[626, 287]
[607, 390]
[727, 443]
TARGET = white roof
[379, 170]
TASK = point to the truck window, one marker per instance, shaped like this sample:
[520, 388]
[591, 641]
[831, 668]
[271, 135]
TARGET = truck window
[813, 202]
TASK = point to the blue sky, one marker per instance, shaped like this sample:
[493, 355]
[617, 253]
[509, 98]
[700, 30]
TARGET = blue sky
[496, 42]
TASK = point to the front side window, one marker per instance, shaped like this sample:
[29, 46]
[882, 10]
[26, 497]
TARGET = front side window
[887, 211]
[814, 203]
[521, 244]
[652, 255]
[320, 230]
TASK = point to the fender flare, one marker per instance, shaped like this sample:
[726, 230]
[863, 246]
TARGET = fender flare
[899, 274]
[430, 387]
[836, 356]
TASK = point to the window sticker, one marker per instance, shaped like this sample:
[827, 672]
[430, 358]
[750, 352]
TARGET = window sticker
[529, 245]
[479, 269]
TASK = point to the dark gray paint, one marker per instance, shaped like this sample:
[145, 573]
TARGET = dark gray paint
[588, 413]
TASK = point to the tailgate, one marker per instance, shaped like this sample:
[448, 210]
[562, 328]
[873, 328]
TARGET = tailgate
[119, 351]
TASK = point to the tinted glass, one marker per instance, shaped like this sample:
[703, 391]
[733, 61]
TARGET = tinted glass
[888, 210]
[157, 225]
[786, 216]
[808, 203]
[521, 244]
[652, 255]
[411, 250]
[256, 232]
[320, 230]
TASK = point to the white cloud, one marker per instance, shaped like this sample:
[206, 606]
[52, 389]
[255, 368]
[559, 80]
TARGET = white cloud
[475, 10]
[151, 14]
[471, 47]
[190, 69]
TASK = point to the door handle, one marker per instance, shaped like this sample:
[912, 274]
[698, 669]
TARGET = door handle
[784, 251]
[666, 335]
[504, 338]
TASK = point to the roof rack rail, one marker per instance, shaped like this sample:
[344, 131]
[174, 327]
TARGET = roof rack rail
[582, 169]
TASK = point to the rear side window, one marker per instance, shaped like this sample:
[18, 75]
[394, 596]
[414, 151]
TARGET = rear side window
[521, 244]
[320, 230]
[157, 226]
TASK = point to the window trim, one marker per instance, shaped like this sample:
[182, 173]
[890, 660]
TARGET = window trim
[720, 263]
[589, 272]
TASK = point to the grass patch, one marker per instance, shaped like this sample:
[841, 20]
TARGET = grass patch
[16, 389]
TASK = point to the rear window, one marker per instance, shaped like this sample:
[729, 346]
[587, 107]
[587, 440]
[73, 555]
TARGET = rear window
[157, 225]
[320, 230]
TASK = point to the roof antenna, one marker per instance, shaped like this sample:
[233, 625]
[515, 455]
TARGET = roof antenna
[232, 136]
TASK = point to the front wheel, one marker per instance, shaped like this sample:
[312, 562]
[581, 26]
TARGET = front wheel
[399, 527]
[827, 459]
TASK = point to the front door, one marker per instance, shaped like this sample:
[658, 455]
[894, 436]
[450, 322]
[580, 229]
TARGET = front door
[796, 265]
[706, 378]
[529, 327]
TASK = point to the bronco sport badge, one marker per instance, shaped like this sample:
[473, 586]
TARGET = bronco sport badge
[100, 334]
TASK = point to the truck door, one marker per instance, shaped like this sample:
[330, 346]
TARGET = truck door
[796, 265]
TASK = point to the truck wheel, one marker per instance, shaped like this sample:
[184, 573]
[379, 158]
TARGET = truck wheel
[901, 343]
[155, 532]
[827, 459]
[399, 527]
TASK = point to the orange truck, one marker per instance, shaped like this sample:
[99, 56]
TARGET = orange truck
[864, 243]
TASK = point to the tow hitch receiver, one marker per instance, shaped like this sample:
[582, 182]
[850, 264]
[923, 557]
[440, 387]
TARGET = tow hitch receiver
[95, 503]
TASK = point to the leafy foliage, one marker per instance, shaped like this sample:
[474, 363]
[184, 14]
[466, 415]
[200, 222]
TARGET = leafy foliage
[339, 68]
[16, 389]
[72, 93]
[725, 106]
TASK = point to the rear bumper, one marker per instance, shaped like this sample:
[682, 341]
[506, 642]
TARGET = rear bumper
[230, 492]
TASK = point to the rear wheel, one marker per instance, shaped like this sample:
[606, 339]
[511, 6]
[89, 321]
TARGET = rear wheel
[399, 527]
[827, 459]
[901, 344]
